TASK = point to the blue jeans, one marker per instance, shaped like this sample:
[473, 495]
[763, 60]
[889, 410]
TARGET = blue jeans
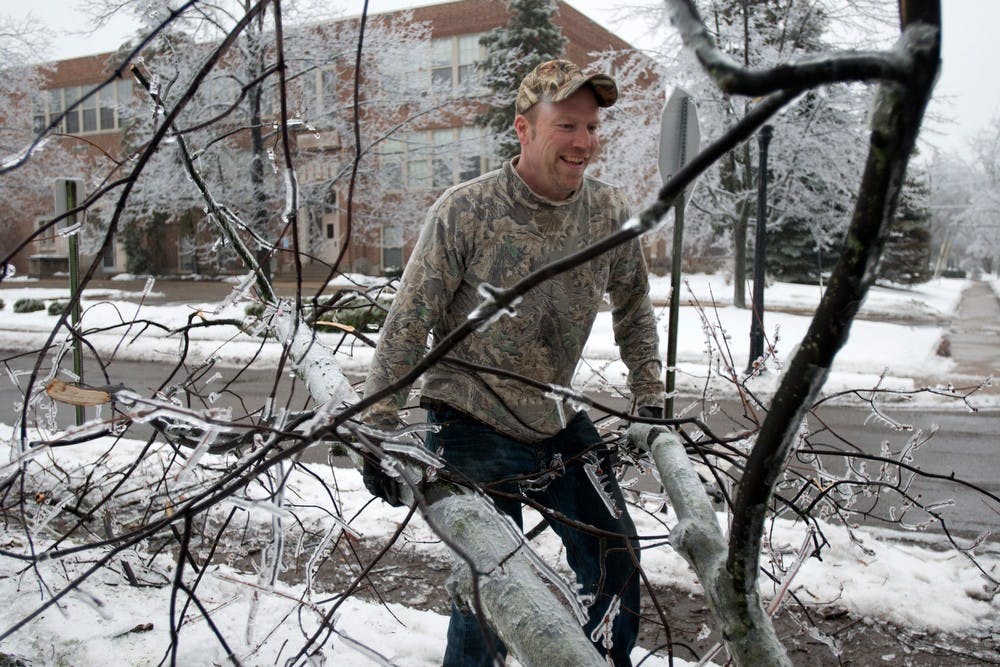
[604, 566]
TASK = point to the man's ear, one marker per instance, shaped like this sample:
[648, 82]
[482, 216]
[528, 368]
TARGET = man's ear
[521, 127]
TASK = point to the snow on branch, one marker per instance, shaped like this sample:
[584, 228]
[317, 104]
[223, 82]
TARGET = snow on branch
[731, 77]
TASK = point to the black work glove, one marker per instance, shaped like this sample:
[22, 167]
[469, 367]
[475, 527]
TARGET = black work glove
[650, 412]
[380, 484]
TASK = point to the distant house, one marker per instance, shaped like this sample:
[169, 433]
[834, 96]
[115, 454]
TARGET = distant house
[414, 164]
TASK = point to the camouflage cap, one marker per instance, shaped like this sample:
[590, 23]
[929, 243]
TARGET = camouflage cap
[556, 80]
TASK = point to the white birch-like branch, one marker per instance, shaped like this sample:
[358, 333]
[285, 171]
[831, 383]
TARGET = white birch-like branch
[746, 628]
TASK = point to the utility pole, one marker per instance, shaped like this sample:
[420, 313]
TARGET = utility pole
[759, 254]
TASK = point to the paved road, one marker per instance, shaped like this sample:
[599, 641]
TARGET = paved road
[965, 444]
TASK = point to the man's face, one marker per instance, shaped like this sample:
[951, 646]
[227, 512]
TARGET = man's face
[558, 141]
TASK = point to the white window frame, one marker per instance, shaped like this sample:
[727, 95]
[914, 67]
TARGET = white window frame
[453, 62]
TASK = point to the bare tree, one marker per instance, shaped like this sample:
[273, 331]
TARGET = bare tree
[215, 454]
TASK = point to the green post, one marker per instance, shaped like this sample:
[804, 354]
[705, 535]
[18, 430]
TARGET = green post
[675, 304]
[74, 289]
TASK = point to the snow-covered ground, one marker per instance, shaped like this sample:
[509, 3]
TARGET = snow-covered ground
[110, 621]
[903, 583]
[905, 353]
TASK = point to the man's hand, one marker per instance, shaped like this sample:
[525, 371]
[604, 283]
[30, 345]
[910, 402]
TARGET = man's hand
[380, 484]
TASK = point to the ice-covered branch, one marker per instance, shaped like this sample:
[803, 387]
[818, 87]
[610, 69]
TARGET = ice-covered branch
[746, 628]
[517, 603]
[731, 77]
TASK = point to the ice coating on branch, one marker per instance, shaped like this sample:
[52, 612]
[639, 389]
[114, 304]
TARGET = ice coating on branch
[17, 158]
[602, 632]
[141, 410]
[315, 362]
[91, 601]
[599, 479]
[540, 482]
[291, 194]
[490, 309]
[207, 439]
[267, 506]
[69, 375]
[47, 513]
[238, 292]
[632, 224]
[545, 570]
[363, 649]
[70, 231]
[414, 451]
[563, 395]
[318, 554]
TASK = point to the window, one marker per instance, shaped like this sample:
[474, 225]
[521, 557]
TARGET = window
[472, 160]
[46, 240]
[392, 155]
[70, 96]
[329, 216]
[319, 91]
[108, 256]
[433, 159]
[469, 51]
[392, 245]
[187, 255]
[442, 149]
[418, 170]
[88, 110]
[100, 113]
[453, 62]
[106, 103]
[441, 64]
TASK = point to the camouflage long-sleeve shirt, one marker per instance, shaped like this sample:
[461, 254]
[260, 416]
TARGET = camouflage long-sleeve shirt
[495, 230]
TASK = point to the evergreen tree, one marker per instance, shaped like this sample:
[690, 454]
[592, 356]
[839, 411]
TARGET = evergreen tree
[530, 37]
[796, 254]
[906, 258]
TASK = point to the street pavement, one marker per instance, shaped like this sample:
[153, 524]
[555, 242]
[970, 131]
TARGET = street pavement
[963, 446]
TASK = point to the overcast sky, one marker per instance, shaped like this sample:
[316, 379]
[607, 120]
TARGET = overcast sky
[967, 96]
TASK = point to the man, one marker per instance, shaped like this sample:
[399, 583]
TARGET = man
[494, 427]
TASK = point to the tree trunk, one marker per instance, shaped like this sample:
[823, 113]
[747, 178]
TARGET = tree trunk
[258, 155]
[740, 256]
[896, 121]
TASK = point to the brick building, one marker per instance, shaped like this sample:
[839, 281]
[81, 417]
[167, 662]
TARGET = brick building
[413, 165]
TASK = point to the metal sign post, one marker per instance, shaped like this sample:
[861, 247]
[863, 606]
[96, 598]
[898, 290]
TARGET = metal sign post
[67, 193]
[679, 140]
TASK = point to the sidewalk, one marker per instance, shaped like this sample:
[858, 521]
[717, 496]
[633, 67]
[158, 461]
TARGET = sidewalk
[974, 334]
